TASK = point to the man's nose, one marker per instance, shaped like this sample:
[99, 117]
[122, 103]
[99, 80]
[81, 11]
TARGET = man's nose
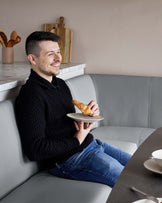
[57, 57]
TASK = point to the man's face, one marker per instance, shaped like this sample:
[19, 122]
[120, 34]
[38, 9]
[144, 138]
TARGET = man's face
[48, 62]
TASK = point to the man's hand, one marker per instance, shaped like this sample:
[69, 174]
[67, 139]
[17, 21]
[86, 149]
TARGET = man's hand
[94, 108]
[82, 130]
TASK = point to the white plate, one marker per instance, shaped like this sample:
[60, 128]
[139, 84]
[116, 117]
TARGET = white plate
[147, 201]
[82, 117]
[151, 165]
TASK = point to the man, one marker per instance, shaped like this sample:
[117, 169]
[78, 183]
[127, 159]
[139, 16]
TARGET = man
[66, 147]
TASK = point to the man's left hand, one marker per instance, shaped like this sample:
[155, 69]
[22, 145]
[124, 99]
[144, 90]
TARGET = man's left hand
[94, 108]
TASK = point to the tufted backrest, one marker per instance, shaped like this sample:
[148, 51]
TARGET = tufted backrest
[14, 166]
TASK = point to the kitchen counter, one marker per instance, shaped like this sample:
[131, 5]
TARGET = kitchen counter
[13, 76]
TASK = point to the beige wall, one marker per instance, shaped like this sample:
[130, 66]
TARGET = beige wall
[110, 36]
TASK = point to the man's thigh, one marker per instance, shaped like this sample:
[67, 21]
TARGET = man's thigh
[95, 166]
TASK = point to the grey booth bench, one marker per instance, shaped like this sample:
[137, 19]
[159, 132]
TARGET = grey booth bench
[132, 110]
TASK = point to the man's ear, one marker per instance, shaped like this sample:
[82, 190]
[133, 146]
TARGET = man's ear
[32, 59]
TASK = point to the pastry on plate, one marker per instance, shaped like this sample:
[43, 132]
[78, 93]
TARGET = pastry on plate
[85, 109]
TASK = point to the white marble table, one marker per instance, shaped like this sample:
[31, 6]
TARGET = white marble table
[13, 76]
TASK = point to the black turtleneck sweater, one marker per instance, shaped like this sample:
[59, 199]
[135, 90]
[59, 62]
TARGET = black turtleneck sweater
[46, 132]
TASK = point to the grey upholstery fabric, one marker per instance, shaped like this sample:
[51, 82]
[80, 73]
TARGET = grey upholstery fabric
[14, 166]
[45, 188]
[155, 118]
[125, 134]
[83, 90]
[123, 100]
[132, 101]
[132, 109]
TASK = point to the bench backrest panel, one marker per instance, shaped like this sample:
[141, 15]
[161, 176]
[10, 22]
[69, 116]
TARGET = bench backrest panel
[83, 90]
[123, 100]
[155, 110]
[132, 101]
[14, 166]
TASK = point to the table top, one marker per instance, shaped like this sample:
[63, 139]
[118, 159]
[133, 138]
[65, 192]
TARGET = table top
[135, 174]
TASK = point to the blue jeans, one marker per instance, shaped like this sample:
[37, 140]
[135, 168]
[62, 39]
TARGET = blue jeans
[98, 162]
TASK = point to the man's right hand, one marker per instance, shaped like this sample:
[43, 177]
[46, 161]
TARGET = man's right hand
[82, 130]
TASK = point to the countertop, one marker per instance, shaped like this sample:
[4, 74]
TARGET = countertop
[12, 75]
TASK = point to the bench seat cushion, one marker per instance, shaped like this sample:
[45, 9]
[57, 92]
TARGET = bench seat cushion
[43, 187]
[131, 136]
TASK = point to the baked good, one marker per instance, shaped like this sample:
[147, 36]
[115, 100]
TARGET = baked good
[85, 109]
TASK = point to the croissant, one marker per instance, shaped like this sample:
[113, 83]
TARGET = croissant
[85, 109]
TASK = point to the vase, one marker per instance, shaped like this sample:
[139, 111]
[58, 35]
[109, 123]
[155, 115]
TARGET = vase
[7, 55]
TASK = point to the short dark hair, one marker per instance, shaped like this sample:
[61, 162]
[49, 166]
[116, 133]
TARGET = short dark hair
[32, 41]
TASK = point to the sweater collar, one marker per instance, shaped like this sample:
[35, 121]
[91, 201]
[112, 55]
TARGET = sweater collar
[42, 81]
